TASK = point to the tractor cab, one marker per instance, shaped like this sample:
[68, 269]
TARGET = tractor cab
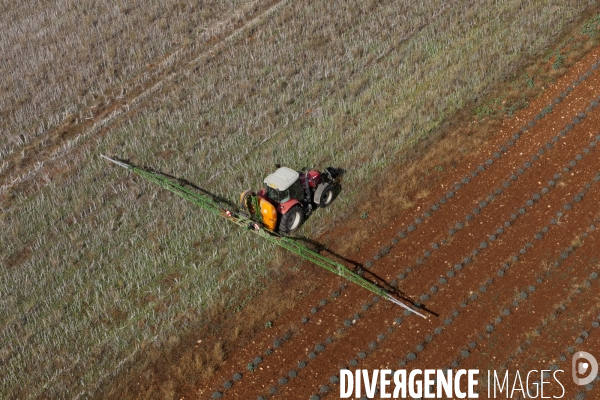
[284, 185]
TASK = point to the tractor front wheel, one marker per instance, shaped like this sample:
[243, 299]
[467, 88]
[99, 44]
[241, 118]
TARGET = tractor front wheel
[291, 220]
[246, 201]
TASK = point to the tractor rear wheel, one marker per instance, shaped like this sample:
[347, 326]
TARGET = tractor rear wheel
[291, 220]
[324, 197]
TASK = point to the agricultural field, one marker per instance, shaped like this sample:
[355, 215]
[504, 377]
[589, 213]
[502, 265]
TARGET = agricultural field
[105, 276]
[502, 255]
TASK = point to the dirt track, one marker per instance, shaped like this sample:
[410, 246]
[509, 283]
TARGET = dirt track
[504, 255]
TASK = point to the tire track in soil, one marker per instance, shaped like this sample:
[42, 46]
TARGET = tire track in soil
[116, 108]
[388, 257]
[454, 333]
[43, 153]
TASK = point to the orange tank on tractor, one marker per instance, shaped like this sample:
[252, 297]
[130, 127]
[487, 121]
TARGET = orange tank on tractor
[289, 196]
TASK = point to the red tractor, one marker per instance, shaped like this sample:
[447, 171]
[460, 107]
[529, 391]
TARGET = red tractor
[289, 196]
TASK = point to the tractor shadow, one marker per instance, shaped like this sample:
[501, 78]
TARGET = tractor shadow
[367, 274]
[221, 201]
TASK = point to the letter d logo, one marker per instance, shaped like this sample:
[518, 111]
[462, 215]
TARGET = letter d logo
[579, 367]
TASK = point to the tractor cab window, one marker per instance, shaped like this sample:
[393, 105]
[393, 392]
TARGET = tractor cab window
[280, 196]
[296, 191]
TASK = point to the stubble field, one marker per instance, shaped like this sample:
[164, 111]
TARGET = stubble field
[99, 269]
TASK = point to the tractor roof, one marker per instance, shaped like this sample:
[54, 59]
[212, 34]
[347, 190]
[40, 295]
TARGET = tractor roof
[282, 178]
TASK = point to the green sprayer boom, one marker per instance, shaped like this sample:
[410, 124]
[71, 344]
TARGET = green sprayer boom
[250, 225]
